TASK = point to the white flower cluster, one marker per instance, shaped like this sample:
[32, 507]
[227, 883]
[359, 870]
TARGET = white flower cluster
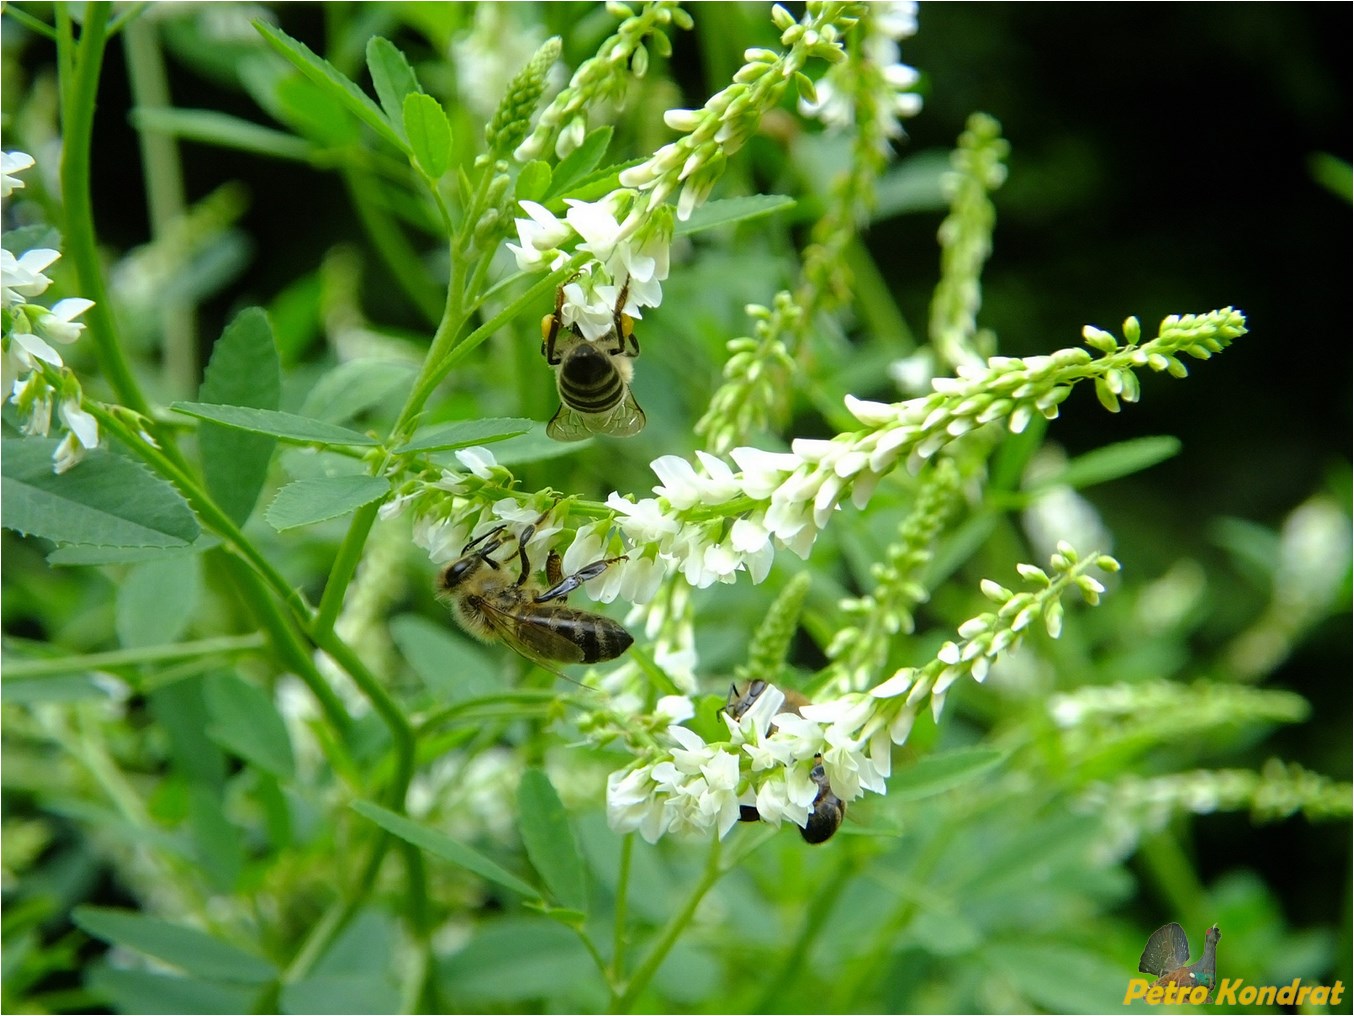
[884, 25]
[622, 253]
[695, 788]
[30, 330]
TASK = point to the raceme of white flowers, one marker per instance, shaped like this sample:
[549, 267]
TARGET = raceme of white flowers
[884, 25]
[30, 331]
[628, 232]
[693, 787]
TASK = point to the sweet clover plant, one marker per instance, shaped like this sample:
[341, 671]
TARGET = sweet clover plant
[252, 765]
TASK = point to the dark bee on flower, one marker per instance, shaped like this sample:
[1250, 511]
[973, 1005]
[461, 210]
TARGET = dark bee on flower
[828, 810]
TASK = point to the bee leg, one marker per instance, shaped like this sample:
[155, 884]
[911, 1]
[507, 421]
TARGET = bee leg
[481, 538]
[622, 326]
[522, 541]
[550, 326]
[567, 585]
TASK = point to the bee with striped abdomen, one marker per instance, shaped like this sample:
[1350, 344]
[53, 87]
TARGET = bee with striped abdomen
[535, 623]
[593, 378]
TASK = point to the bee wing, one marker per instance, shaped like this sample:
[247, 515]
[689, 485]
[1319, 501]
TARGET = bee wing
[568, 425]
[531, 640]
[626, 420]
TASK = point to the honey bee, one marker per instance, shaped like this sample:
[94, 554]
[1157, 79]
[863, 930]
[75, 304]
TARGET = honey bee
[593, 381]
[828, 810]
[534, 623]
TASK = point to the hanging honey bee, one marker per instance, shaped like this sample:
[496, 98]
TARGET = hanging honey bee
[535, 623]
[593, 378]
[828, 810]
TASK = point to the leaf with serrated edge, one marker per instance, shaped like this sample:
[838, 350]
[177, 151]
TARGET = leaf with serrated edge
[285, 426]
[304, 502]
[105, 501]
[466, 433]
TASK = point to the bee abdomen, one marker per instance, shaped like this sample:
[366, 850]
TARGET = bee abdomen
[598, 637]
[589, 383]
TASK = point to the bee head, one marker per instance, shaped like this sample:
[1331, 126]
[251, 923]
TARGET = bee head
[459, 570]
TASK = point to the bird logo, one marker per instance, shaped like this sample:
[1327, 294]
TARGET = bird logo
[1166, 957]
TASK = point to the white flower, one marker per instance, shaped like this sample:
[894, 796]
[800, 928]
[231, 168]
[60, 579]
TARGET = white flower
[479, 461]
[676, 708]
[720, 800]
[80, 423]
[643, 521]
[595, 222]
[541, 234]
[632, 805]
[11, 164]
[59, 323]
[22, 277]
[33, 396]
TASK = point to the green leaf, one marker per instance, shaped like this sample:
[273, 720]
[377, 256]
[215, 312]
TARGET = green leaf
[452, 667]
[178, 945]
[325, 75]
[580, 162]
[305, 502]
[730, 210]
[142, 991]
[514, 959]
[425, 121]
[943, 771]
[549, 840]
[912, 185]
[533, 446]
[391, 76]
[465, 433]
[533, 181]
[105, 501]
[355, 387]
[1055, 977]
[444, 847]
[245, 722]
[156, 600]
[287, 426]
[62, 688]
[75, 554]
[210, 127]
[343, 993]
[1111, 462]
[217, 843]
[244, 371]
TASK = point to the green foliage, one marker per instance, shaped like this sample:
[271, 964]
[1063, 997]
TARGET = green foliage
[250, 764]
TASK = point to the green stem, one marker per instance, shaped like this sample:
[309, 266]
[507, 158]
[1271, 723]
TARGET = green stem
[446, 352]
[345, 566]
[19, 670]
[286, 642]
[622, 894]
[164, 194]
[671, 932]
[78, 101]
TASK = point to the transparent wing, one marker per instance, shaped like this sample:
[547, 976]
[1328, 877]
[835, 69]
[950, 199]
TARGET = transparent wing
[568, 425]
[626, 420]
[528, 638]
